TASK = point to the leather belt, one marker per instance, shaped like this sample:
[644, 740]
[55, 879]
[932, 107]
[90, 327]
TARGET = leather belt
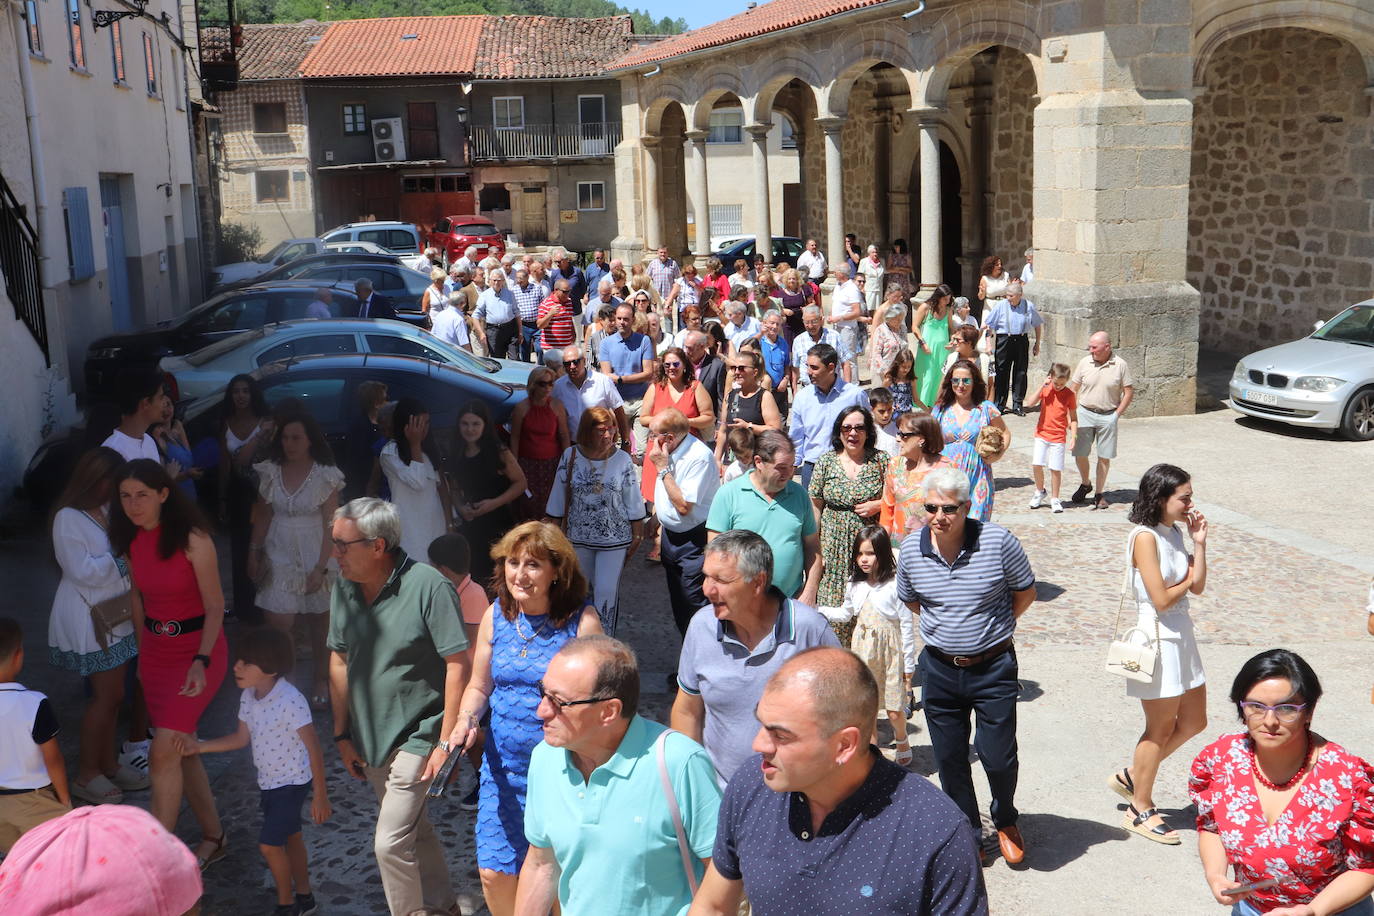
[174, 627]
[968, 661]
[1096, 411]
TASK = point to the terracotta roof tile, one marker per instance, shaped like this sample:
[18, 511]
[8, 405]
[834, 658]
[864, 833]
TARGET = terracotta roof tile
[544, 47]
[768, 17]
[271, 52]
[442, 46]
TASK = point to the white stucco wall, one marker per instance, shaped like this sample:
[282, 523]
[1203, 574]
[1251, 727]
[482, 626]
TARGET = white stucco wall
[730, 177]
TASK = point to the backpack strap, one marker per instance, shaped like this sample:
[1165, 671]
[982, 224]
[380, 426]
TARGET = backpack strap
[673, 809]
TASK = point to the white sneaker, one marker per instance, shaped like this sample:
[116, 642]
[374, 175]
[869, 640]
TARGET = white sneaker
[134, 754]
[130, 779]
[1038, 499]
[1056, 505]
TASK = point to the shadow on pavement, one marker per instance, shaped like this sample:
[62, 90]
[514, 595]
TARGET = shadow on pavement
[1053, 841]
[1047, 591]
[1030, 691]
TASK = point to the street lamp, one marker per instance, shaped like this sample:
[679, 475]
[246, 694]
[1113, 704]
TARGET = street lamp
[461, 112]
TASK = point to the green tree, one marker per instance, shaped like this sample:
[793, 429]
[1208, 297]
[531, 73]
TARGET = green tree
[255, 11]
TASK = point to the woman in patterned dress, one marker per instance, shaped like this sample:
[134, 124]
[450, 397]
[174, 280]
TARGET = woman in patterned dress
[540, 606]
[921, 443]
[846, 491]
[962, 410]
[899, 270]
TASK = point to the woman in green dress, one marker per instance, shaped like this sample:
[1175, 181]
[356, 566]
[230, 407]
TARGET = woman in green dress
[847, 491]
[933, 324]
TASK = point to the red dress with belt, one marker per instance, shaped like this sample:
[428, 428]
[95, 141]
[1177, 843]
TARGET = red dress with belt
[170, 593]
[687, 403]
[539, 453]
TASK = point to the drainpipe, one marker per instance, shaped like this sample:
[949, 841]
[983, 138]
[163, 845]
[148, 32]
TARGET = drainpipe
[40, 179]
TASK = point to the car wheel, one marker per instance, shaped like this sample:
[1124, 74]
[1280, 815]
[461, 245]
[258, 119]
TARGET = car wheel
[1358, 421]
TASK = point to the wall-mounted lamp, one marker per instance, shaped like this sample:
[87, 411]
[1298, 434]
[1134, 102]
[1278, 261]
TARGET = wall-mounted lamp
[462, 114]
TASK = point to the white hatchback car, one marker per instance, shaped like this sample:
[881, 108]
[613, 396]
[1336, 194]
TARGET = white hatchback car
[1325, 380]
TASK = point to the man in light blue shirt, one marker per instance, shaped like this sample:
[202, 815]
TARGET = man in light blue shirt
[817, 406]
[1012, 319]
[628, 358]
[597, 815]
[815, 333]
[498, 316]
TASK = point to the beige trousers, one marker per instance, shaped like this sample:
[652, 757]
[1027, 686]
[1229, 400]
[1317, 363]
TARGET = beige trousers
[21, 813]
[414, 873]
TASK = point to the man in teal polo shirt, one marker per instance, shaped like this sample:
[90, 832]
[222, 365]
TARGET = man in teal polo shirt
[768, 502]
[602, 835]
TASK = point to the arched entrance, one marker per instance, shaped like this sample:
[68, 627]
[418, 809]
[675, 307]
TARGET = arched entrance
[951, 217]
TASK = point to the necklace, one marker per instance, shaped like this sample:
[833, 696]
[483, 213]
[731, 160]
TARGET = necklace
[519, 631]
[1292, 780]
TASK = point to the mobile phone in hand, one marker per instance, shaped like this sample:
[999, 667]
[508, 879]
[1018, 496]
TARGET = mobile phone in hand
[1252, 886]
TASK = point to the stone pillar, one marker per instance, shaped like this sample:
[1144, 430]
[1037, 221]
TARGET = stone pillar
[834, 190]
[698, 194]
[899, 215]
[763, 213]
[929, 138]
[882, 169]
[1113, 147]
[978, 189]
[653, 210]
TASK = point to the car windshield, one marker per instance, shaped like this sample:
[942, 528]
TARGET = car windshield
[1355, 325]
[475, 229]
[272, 255]
[223, 346]
[477, 365]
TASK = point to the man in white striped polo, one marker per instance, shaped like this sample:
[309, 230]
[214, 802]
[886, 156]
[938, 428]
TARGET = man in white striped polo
[968, 582]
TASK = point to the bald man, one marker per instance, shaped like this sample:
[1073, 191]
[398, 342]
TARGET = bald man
[822, 822]
[1104, 387]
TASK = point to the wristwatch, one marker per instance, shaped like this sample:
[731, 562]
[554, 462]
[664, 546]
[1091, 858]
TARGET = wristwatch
[664, 472]
[445, 747]
[203, 659]
[344, 735]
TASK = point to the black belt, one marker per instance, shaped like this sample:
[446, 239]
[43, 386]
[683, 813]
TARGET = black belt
[1016, 335]
[529, 324]
[24, 791]
[1096, 411]
[968, 661]
[174, 627]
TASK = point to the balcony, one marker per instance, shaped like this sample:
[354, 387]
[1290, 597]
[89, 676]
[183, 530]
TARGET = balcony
[220, 41]
[593, 140]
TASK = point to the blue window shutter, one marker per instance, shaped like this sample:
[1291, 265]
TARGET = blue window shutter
[76, 214]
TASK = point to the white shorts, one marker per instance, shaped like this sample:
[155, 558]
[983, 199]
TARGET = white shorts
[1047, 454]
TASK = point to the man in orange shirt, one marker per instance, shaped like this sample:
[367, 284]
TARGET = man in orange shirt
[1055, 431]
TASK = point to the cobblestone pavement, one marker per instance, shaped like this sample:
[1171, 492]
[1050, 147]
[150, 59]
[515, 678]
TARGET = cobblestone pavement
[1076, 724]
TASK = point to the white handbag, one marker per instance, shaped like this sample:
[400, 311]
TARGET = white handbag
[1132, 654]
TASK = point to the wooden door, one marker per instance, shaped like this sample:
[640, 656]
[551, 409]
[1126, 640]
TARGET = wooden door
[533, 225]
[422, 131]
[791, 209]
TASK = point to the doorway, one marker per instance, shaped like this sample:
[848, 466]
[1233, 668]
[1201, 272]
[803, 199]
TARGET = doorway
[591, 119]
[116, 266]
[532, 225]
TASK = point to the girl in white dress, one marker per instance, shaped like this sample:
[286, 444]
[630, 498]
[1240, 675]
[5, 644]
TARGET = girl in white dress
[418, 490]
[291, 554]
[884, 636]
[1163, 576]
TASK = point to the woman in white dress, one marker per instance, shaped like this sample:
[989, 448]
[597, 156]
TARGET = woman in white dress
[419, 491]
[91, 573]
[603, 508]
[291, 553]
[872, 268]
[1163, 575]
[992, 286]
[435, 300]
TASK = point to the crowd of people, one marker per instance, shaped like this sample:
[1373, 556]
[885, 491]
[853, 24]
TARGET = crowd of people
[827, 547]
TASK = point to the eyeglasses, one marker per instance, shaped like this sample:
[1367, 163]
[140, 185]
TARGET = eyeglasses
[1287, 713]
[341, 546]
[672, 365]
[961, 381]
[739, 368]
[564, 704]
[544, 384]
[573, 362]
[853, 427]
[905, 435]
[934, 509]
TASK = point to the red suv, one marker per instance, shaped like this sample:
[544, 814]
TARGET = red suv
[452, 235]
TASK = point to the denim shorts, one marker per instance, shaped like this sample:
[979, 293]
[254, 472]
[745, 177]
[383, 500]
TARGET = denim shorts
[1364, 908]
[281, 813]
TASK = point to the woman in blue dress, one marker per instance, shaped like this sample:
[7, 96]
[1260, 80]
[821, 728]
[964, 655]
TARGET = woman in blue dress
[962, 409]
[541, 604]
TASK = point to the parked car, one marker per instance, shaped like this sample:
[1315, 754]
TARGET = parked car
[244, 271]
[403, 285]
[785, 248]
[221, 316]
[1325, 380]
[326, 385]
[356, 248]
[393, 237]
[292, 269]
[453, 235]
[209, 369]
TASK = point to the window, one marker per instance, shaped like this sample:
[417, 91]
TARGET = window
[75, 41]
[237, 315]
[403, 346]
[323, 398]
[273, 186]
[727, 219]
[508, 112]
[355, 119]
[76, 220]
[727, 126]
[35, 33]
[452, 183]
[117, 51]
[269, 118]
[789, 135]
[494, 197]
[313, 272]
[420, 184]
[149, 64]
[391, 239]
[591, 195]
[314, 345]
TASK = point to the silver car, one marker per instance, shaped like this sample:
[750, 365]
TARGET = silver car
[1325, 380]
[209, 369]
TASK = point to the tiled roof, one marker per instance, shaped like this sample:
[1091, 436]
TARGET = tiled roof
[544, 47]
[762, 19]
[440, 46]
[272, 52]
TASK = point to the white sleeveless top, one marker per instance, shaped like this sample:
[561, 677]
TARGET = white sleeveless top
[234, 442]
[1173, 566]
[996, 288]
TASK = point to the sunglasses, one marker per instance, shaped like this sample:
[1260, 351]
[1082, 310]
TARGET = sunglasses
[672, 365]
[853, 427]
[906, 435]
[936, 509]
[564, 704]
[961, 381]
[573, 362]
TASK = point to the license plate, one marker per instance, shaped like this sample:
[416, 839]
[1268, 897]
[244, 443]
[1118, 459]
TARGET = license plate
[1259, 397]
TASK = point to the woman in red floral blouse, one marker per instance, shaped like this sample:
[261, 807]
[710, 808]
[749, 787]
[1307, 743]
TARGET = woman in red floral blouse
[1281, 802]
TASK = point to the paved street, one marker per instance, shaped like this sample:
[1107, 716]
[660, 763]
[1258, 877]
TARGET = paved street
[1291, 554]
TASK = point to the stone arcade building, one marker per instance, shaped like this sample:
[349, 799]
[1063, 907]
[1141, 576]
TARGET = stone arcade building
[1187, 172]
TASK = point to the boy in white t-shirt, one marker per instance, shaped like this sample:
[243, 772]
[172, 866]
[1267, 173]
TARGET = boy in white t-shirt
[881, 404]
[138, 395]
[33, 776]
[286, 752]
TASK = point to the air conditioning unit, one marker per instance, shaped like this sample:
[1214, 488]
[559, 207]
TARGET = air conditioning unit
[387, 142]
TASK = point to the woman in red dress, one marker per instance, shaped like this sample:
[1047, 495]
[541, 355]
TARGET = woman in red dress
[538, 437]
[178, 609]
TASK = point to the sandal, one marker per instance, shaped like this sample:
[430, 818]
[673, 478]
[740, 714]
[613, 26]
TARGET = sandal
[98, 791]
[1122, 785]
[219, 852]
[320, 698]
[1134, 821]
[903, 755]
[1101, 502]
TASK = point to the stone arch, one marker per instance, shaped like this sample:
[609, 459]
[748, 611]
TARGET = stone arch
[872, 45]
[714, 85]
[1218, 23]
[964, 32]
[666, 93]
[778, 74]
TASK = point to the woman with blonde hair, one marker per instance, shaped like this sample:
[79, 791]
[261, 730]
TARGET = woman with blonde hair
[434, 299]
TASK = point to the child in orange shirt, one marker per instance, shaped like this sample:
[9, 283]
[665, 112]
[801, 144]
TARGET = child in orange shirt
[1055, 431]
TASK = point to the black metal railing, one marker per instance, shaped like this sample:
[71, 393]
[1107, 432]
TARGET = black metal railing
[220, 41]
[19, 262]
[545, 141]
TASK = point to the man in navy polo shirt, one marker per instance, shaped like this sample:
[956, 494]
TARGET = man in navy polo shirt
[968, 582]
[822, 823]
[628, 358]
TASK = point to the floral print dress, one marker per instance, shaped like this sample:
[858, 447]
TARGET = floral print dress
[839, 523]
[960, 439]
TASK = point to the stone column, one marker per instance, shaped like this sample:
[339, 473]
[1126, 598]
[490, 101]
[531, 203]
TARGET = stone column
[977, 190]
[928, 130]
[882, 168]
[834, 190]
[698, 194]
[899, 215]
[653, 211]
[763, 213]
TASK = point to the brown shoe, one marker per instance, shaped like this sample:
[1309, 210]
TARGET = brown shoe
[1013, 847]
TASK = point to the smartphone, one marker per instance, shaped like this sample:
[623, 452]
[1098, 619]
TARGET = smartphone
[440, 781]
[1253, 886]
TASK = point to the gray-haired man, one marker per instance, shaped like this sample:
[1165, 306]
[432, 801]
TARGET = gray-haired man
[398, 665]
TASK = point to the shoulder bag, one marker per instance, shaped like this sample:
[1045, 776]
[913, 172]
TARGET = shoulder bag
[674, 810]
[568, 489]
[1132, 653]
[110, 613]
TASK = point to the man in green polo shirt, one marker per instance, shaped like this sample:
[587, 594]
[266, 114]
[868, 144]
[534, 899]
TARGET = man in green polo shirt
[597, 815]
[397, 669]
[768, 502]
